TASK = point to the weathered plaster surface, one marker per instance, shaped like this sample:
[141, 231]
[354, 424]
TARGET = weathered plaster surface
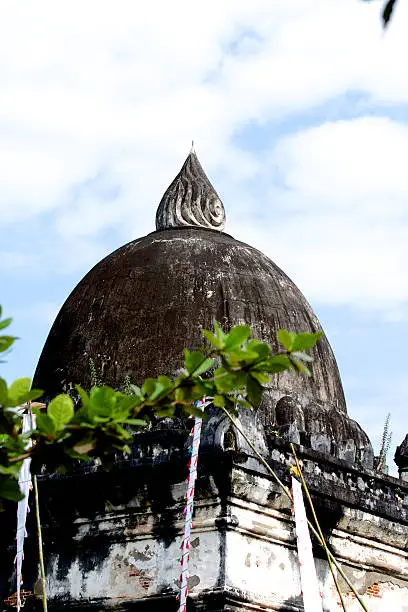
[112, 539]
[122, 539]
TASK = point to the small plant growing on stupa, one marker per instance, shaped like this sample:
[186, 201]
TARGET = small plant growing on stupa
[380, 464]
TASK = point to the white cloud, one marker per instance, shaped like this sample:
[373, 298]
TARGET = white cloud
[117, 90]
[354, 166]
[340, 220]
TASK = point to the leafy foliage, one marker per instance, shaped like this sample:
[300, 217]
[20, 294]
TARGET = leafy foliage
[387, 11]
[232, 371]
[12, 442]
[380, 462]
[96, 377]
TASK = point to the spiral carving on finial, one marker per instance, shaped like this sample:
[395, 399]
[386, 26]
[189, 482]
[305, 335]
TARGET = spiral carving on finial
[191, 200]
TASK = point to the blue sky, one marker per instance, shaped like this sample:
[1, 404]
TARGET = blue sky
[298, 110]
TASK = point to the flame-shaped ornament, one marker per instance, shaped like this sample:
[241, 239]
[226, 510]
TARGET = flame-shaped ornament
[191, 200]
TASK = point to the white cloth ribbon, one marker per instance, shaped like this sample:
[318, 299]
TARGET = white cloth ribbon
[312, 600]
[188, 511]
[24, 482]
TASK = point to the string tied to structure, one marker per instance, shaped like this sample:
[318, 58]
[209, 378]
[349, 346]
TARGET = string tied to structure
[25, 484]
[194, 445]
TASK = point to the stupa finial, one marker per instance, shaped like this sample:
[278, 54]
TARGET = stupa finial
[191, 200]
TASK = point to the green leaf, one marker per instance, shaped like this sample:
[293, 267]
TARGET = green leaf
[136, 390]
[305, 341]
[30, 396]
[219, 333]
[125, 406]
[212, 339]
[61, 410]
[44, 424]
[237, 336]
[206, 386]
[286, 338]
[195, 362]
[138, 422]
[388, 11]
[219, 401]
[84, 397]
[262, 349]
[102, 401]
[298, 365]
[149, 386]
[17, 390]
[3, 392]
[61, 469]
[244, 403]
[165, 381]
[276, 364]
[100, 419]
[238, 379]
[195, 411]
[192, 360]
[181, 393]
[261, 377]
[189, 394]
[244, 355]
[11, 470]
[254, 391]
[224, 382]
[159, 390]
[9, 489]
[120, 433]
[206, 365]
[6, 342]
[5, 323]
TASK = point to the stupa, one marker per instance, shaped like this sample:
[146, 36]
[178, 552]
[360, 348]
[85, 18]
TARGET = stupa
[112, 538]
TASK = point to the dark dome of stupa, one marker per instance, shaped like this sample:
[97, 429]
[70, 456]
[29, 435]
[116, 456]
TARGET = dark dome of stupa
[138, 308]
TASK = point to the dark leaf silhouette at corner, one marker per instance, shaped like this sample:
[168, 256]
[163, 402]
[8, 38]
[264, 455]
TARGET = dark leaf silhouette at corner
[388, 12]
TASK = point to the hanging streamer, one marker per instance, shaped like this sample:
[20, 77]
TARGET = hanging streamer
[25, 484]
[312, 600]
[188, 510]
